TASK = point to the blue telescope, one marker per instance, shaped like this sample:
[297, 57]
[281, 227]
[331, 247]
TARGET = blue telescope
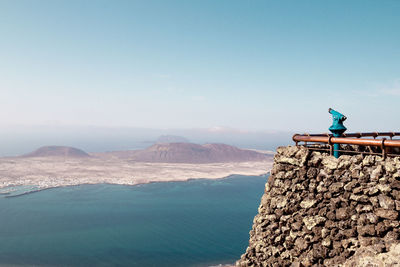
[337, 128]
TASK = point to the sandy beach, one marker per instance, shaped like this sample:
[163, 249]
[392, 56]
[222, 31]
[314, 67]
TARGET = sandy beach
[49, 172]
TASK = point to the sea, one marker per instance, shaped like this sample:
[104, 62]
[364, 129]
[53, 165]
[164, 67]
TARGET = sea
[194, 223]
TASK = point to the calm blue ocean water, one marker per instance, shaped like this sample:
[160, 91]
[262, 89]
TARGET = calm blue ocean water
[194, 223]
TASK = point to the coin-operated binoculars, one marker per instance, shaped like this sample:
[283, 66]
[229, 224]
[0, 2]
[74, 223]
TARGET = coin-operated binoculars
[337, 128]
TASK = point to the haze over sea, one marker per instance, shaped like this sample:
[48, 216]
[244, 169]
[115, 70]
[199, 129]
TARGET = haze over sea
[193, 223]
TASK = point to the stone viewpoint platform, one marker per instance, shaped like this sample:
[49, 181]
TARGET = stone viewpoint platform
[318, 210]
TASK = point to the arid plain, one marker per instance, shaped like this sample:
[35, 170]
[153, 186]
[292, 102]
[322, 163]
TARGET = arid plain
[63, 168]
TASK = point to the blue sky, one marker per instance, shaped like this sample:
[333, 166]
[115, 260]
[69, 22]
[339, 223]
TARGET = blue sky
[250, 65]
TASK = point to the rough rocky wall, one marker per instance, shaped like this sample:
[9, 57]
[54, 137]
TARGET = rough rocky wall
[319, 210]
[370, 257]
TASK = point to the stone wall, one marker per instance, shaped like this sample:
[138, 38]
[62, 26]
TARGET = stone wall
[318, 210]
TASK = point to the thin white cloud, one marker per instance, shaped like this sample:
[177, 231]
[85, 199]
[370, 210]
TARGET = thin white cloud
[198, 98]
[393, 89]
[366, 93]
[222, 129]
[162, 76]
[394, 92]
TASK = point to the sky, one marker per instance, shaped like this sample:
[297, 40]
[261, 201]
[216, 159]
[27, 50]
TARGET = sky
[246, 65]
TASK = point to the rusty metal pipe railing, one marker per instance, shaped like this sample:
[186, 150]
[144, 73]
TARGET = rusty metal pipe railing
[385, 147]
[359, 135]
[372, 134]
[346, 140]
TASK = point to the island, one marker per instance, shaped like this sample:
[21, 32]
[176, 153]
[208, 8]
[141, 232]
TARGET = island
[55, 166]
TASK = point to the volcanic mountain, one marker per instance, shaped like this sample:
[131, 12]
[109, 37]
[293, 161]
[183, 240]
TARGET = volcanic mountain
[57, 151]
[191, 153]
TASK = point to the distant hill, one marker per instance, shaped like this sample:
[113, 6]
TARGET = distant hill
[171, 139]
[57, 151]
[191, 153]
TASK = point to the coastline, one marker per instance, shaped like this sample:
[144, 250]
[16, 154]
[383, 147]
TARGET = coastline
[10, 195]
[44, 173]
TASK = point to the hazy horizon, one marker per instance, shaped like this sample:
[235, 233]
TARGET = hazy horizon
[22, 139]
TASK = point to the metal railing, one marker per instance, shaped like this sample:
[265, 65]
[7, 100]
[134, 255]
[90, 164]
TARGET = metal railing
[361, 143]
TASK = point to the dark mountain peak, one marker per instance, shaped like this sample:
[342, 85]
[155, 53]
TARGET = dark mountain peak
[194, 153]
[57, 151]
